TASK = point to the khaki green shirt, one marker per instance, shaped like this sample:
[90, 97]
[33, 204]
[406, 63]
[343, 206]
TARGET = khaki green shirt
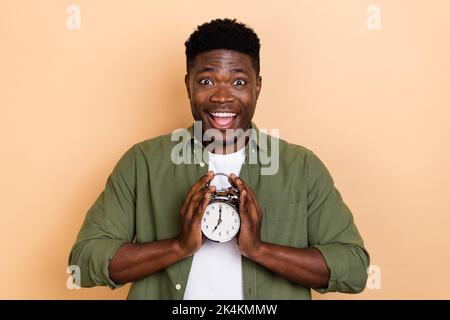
[143, 195]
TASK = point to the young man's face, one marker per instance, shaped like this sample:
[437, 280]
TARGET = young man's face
[223, 88]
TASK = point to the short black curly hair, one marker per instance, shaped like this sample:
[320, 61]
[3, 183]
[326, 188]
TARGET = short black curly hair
[223, 34]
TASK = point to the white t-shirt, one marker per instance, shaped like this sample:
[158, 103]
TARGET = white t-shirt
[216, 271]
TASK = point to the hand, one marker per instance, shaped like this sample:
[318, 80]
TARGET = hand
[191, 238]
[249, 236]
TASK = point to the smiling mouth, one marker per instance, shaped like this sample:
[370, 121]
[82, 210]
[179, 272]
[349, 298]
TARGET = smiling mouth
[222, 120]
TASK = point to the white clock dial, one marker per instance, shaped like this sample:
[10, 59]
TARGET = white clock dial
[220, 222]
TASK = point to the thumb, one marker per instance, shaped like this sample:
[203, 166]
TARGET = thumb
[242, 205]
[202, 207]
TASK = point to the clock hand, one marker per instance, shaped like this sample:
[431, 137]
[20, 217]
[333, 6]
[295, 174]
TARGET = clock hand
[220, 219]
[218, 222]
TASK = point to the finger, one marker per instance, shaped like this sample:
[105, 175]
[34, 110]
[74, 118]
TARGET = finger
[201, 208]
[252, 208]
[242, 202]
[243, 209]
[196, 200]
[250, 192]
[237, 182]
[243, 186]
[252, 204]
[243, 191]
[199, 197]
[198, 185]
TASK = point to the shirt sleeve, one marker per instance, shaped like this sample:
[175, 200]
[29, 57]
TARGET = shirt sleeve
[333, 232]
[108, 224]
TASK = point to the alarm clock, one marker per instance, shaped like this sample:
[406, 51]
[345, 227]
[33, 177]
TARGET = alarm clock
[221, 220]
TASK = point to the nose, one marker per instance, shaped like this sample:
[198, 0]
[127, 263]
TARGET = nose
[222, 95]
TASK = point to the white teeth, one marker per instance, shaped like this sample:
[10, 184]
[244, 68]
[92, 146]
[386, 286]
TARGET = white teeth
[223, 114]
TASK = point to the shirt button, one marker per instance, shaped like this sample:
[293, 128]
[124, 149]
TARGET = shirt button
[202, 164]
[178, 286]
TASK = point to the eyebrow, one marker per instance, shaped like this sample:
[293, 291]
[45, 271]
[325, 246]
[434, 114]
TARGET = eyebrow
[238, 70]
[212, 69]
[206, 69]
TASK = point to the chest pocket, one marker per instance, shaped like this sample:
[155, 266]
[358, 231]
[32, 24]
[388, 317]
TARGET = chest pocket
[285, 225]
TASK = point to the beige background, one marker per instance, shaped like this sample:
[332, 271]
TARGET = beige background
[373, 104]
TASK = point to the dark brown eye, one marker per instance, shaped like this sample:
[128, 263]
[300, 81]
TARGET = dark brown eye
[239, 82]
[206, 82]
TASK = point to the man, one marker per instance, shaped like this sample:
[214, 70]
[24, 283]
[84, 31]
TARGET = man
[296, 233]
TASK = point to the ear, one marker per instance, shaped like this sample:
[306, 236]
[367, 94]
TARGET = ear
[258, 86]
[188, 88]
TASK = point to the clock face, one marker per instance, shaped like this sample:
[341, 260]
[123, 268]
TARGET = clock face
[220, 222]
